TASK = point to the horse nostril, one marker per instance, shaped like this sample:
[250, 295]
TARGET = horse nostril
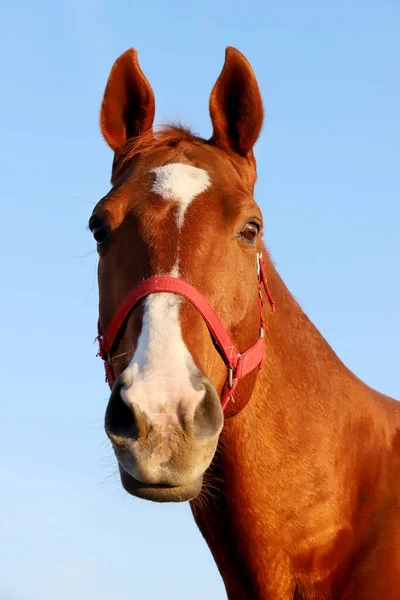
[209, 417]
[120, 419]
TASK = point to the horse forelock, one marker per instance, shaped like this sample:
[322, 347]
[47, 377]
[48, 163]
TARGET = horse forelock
[170, 135]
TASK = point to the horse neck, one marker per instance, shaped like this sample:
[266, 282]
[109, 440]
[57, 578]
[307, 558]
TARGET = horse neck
[301, 371]
[277, 448]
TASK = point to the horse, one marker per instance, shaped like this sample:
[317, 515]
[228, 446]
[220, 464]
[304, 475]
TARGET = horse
[223, 392]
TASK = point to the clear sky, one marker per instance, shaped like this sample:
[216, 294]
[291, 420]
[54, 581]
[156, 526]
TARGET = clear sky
[329, 187]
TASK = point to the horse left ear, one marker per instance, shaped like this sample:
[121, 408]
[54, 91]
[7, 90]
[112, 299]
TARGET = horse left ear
[128, 105]
[236, 108]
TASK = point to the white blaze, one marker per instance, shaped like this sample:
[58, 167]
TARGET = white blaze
[180, 183]
[162, 372]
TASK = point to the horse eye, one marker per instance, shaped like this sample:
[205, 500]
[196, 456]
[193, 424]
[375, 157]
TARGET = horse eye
[250, 231]
[99, 233]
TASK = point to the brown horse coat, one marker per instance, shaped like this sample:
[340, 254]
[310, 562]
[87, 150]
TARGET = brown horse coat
[300, 500]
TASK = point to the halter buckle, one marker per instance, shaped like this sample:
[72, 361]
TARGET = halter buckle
[259, 258]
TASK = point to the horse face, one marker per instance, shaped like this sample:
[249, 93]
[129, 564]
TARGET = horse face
[183, 207]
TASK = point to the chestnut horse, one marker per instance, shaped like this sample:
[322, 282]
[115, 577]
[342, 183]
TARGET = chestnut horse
[295, 485]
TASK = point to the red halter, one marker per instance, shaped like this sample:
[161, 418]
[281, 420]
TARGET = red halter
[238, 364]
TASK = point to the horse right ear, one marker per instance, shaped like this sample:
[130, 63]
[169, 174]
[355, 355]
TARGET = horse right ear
[128, 105]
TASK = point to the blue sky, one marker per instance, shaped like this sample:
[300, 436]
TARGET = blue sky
[329, 187]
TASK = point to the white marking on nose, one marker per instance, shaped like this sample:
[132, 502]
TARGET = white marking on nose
[181, 183]
[161, 377]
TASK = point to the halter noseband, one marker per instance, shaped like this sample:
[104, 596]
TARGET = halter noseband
[238, 364]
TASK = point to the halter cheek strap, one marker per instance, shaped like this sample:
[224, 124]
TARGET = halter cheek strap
[238, 364]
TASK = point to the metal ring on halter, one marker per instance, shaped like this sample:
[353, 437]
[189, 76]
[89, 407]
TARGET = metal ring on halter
[230, 377]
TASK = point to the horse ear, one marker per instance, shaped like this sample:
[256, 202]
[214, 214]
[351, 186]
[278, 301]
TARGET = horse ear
[236, 108]
[128, 105]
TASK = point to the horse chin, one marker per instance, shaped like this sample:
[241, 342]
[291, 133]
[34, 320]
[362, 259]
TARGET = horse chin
[160, 493]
